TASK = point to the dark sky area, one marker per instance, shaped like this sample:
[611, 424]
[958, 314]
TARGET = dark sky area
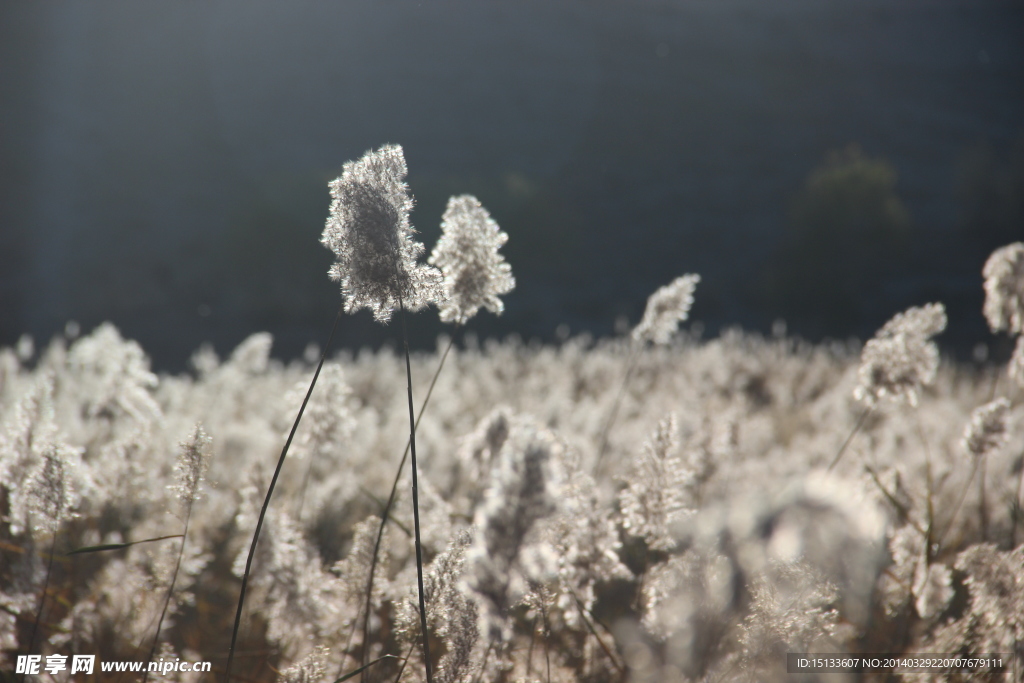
[164, 165]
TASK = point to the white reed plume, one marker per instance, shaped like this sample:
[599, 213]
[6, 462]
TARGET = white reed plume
[525, 488]
[310, 669]
[987, 430]
[51, 496]
[1004, 289]
[656, 496]
[901, 358]
[475, 274]
[50, 500]
[666, 308]
[370, 234]
[190, 469]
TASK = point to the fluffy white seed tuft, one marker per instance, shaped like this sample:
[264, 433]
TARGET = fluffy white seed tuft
[987, 430]
[475, 274]
[193, 461]
[1004, 289]
[51, 494]
[369, 232]
[656, 496]
[666, 308]
[901, 358]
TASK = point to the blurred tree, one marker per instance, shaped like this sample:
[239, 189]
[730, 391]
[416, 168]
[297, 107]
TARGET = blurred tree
[847, 232]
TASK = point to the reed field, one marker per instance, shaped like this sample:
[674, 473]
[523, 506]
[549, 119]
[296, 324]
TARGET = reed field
[653, 507]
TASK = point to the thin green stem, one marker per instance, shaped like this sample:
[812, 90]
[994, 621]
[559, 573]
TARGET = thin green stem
[305, 487]
[982, 500]
[630, 367]
[416, 501]
[930, 502]
[593, 631]
[483, 665]
[118, 546]
[959, 503]
[900, 507]
[353, 674]
[385, 515]
[529, 652]
[856, 428]
[401, 669]
[170, 591]
[266, 501]
[547, 641]
[42, 597]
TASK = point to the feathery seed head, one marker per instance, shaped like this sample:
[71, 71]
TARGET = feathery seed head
[354, 568]
[666, 308]
[252, 356]
[51, 495]
[114, 375]
[1004, 289]
[656, 496]
[987, 430]
[475, 274]
[479, 450]
[525, 488]
[996, 588]
[369, 232]
[451, 614]
[901, 358]
[193, 461]
[923, 321]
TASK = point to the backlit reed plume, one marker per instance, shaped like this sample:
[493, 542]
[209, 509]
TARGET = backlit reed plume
[51, 498]
[525, 487]
[987, 430]
[371, 237]
[902, 358]
[898, 362]
[369, 232]
[656, 494]
[475, 274]
[1004, 289]
[985, 433]
[666, 308]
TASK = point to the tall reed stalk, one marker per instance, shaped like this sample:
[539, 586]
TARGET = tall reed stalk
[666, 308]
[386, 512]
[369, 232]
[416, 502]
[266, 501]
[192, 465]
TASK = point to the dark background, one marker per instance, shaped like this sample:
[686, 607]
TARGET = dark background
[164, 165]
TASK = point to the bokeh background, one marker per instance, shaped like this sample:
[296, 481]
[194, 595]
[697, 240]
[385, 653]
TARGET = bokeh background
[824, 162]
